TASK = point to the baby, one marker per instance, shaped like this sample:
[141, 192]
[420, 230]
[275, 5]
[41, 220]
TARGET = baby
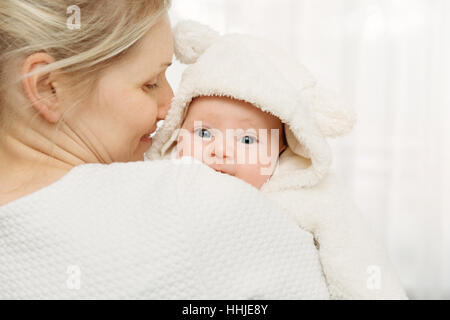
[246, 109]
[232, 137]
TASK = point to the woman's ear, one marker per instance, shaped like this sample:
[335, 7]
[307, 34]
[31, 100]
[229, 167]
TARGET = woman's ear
[41, 89]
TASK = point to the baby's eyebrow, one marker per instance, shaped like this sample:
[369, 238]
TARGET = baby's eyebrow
[249, 121]
[202, 122]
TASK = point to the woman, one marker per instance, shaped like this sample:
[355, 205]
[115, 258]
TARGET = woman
[80, 215]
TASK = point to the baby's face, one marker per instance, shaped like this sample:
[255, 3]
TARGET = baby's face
[232, 137]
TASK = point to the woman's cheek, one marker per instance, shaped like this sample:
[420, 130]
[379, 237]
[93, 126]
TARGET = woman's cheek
[147, 117]
[141, 120]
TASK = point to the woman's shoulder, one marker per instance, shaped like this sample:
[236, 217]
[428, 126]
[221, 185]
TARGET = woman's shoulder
[132, 182]
[88, 177]
[173, 169]
[130, 229]
[161, 176]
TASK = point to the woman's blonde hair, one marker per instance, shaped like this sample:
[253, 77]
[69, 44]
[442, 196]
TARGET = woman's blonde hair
[108, 29]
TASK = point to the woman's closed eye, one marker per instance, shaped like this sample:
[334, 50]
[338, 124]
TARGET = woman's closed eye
[154, 83]
[151, 86]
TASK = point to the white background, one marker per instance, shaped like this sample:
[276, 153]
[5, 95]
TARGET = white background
[391, 60]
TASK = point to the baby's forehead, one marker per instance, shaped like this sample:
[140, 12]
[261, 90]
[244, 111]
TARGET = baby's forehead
[220, 110]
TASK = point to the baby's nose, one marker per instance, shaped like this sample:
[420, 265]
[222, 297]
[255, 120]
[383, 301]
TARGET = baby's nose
[223, 148]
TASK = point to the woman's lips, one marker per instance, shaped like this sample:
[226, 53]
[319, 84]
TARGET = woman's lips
[146, 139]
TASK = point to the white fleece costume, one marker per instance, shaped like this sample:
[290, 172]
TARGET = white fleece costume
[249, 69]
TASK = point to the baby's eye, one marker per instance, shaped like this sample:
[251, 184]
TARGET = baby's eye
[248, 140]
[204, 133]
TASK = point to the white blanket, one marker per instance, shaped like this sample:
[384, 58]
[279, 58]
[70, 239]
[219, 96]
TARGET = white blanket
[253, 70]
[354, 263]
[154, 230]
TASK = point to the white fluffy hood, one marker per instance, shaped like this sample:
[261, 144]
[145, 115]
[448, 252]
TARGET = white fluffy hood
[253, 70]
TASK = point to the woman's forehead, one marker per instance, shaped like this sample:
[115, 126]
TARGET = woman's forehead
[154, 50]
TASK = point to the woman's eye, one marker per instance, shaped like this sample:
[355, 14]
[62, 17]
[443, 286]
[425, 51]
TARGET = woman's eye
[204, 133]
[248, 140]
[151, 86]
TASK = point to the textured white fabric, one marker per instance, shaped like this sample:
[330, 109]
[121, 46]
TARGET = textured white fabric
[391, 59]
[156, 230]
[355, 264]
[253, 70]
[250, 69]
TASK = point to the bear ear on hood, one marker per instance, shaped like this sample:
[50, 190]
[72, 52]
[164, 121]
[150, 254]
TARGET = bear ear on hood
[191, 39]
[333, 116]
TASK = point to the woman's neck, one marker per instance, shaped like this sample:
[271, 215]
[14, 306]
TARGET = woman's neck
[29, 162]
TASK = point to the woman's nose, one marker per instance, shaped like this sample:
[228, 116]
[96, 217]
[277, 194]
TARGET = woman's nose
[164, 106]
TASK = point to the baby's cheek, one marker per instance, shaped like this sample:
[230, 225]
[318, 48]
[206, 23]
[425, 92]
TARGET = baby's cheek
[187, 148]
[180, 150]
[184, 145]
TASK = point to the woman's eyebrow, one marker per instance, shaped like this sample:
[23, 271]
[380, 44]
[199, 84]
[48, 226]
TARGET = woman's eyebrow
[161, 68]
